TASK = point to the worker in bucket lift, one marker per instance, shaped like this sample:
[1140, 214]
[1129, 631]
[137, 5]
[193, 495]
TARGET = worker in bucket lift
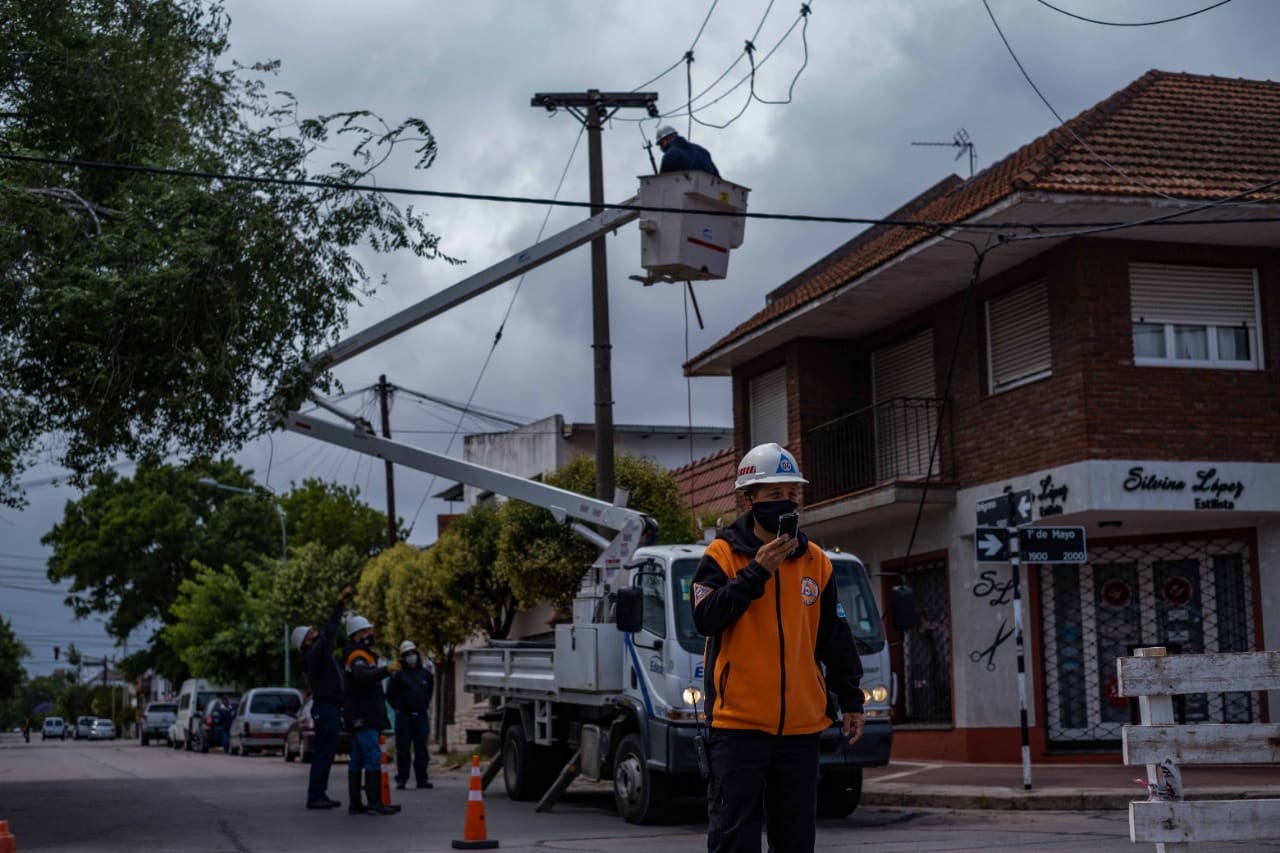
[681, 155]
[765, 598]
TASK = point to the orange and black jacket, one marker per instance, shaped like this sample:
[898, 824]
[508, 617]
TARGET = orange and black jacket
[767, 635]
[363, 704]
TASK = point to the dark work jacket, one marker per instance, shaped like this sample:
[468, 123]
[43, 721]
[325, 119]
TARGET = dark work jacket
[767, 635]
[323, 673]
[409, 690]
[363, 704]
[682, 156]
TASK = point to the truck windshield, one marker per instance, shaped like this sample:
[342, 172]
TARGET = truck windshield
[852, 589]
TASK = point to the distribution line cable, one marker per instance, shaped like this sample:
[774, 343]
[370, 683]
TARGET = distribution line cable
[555, 202]
[1062, 122]
[804, 40]
[1135, 23]
[504, 418]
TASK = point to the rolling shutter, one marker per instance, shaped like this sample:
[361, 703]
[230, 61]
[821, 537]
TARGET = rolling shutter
[901, 374]
[767, 397]
[1200, 296]
[905, 369]
[1018, 337]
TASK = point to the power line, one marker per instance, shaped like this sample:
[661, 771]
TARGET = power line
[1136, 23]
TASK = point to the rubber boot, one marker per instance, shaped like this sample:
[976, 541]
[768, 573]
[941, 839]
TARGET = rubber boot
[373, 790]
[353, 791]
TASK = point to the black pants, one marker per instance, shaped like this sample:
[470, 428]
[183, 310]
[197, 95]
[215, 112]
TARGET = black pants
[751, 769]
[411, 728]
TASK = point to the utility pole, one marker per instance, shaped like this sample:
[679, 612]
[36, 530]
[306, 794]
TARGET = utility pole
[383, 392]
[593, 108]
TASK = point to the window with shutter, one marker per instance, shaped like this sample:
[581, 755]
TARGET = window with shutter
[767, 399]
[1185, 316]
[904, 387]
[1018, 338]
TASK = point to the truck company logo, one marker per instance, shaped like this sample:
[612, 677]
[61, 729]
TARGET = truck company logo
[700, 591]
[809, 590]
[785, 465]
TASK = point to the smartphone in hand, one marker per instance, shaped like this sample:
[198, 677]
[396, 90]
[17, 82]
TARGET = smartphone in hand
[789, 524]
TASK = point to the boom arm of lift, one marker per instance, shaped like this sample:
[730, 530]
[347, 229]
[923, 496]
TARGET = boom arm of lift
[634, 528]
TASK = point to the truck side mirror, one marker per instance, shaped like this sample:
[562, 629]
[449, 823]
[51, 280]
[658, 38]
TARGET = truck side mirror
[629, 609]
[902, 607]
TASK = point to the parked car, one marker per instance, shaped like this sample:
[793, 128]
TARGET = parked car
[53, 727]
[156, 720]
[102, 729]
[262, 719]
[189, 722]
[82, 727]
[300, 738]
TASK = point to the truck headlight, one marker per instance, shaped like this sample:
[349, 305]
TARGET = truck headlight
[692, 696]
[879, 693]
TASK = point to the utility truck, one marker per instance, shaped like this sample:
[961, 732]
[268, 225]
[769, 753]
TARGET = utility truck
[617, 694]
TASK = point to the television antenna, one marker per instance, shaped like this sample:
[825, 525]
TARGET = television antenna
[962, 141]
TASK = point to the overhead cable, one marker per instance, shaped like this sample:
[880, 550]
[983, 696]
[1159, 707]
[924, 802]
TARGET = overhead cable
[1134, 23]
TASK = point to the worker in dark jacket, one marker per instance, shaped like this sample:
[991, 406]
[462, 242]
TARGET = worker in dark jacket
[324, 676]
[681, 155]
[409, 693]
[364, 707]
[765, 597]
[222, 714]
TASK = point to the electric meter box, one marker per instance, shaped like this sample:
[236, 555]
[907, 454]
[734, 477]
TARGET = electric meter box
[692, 242]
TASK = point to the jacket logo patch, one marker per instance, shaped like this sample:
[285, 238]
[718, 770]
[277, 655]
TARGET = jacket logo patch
[700, 591]
[809, 590]
[785, 465]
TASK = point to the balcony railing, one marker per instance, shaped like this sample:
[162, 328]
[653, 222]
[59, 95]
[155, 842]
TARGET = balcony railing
[882, 443]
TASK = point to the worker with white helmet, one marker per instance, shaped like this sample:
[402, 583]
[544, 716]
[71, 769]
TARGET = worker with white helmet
[681, 155]
[364, 707]
[765, 597]
[409, 694]
[324, 677]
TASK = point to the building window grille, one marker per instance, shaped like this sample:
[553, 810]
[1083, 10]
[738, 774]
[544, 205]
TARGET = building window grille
[924, 669]
[1185, 316]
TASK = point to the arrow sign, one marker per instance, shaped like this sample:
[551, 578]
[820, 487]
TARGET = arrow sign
[991, 544]
[996, 511]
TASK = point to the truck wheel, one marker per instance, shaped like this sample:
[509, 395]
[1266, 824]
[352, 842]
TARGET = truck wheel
[527, 769]
[839, 791]
[640, 794]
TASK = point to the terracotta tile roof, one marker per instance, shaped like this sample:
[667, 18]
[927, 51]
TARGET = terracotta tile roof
[706, 485]
[1190, 136]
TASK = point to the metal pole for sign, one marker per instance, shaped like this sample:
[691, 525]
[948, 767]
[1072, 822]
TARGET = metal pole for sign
[1015, 562]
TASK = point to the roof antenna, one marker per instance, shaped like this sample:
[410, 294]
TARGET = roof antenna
[962, 141]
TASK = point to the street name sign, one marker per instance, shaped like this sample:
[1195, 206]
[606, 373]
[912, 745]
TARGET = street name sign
[995, 511]
[991, 544]
[1053, 545]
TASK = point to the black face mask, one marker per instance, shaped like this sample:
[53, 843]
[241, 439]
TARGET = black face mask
[767, 513]
[367, 642]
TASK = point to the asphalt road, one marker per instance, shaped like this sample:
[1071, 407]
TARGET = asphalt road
[117, 796]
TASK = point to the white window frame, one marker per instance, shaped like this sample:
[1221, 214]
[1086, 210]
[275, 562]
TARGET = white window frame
[1213, 362]
[994, 385]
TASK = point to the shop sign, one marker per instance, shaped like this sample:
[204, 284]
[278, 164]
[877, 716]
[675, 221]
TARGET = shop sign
[1208, 489]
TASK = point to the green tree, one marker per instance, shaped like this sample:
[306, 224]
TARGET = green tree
[334, 516]
[221, 629]
[303, 591]
[12, 651]
[140, 312]
[466, 554]
[543, 560]
[374, 591]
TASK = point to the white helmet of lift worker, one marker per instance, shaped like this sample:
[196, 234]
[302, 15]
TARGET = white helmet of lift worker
[663, 132]
[767, 463]
[298, 636]
[356, 624]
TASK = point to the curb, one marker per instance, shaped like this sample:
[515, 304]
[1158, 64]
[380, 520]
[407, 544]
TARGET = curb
[901, 795]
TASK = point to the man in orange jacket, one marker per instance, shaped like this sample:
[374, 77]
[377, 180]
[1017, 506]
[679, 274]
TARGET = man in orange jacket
[765, 597]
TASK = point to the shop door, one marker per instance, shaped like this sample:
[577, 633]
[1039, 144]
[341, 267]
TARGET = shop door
[1192, 597]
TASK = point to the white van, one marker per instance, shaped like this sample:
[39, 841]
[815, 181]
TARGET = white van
[193, 699]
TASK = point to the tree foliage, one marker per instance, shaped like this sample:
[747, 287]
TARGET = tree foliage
[303, 591]
[373, 592]
[543, 560]
[465, 556]
[142, 313]
[332, 515]
[221, 629]
[12, 651]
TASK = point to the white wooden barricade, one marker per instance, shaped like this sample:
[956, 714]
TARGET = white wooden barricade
[1167, 819]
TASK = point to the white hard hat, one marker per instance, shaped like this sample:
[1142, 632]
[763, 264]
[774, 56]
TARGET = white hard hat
[767, 463]
[357, 623]
[299, 634]
[663, 132]
[407, 646]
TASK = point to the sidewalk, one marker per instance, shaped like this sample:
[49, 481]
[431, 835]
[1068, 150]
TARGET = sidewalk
[1056, 787]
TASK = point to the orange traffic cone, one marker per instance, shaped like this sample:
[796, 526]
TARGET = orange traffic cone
[9, 844]
[475, 837]
[383, 761]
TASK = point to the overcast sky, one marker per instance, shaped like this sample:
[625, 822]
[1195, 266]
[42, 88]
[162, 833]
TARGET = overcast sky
[880, 75]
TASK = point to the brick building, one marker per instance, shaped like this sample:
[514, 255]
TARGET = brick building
[1126, 377]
